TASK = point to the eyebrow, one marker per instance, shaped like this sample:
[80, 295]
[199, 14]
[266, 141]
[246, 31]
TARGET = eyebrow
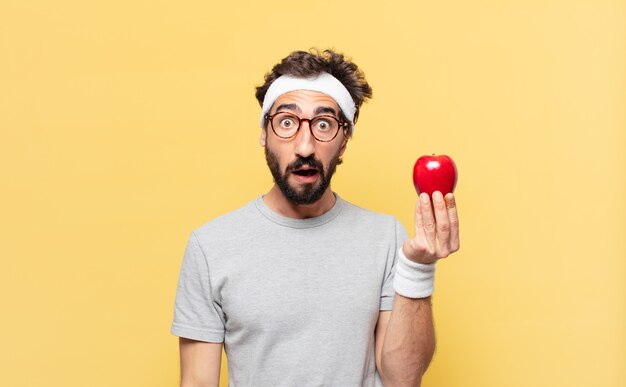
[288, 106]
[325, 109]
[318, 110]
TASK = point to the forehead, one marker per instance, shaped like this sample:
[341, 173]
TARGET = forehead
[306, 100]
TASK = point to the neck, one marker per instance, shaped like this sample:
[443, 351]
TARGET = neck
[277, 202]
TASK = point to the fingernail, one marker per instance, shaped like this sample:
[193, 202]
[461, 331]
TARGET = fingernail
[437, 196]
[424, 197]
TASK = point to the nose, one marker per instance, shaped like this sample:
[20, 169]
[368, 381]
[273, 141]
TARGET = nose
[304, 141]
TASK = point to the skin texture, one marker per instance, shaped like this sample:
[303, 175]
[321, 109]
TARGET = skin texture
[199, 363]
[404, 337]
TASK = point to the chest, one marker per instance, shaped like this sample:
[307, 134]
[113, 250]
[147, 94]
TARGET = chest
[297, 286]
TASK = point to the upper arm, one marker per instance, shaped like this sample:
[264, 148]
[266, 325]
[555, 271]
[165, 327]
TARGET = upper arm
[381, 329]
[199, 363]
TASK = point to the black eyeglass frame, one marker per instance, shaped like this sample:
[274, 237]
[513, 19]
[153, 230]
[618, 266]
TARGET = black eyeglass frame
[342, 124]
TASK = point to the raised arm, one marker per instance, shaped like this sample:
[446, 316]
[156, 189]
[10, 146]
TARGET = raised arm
[199, 363]
[405, 338]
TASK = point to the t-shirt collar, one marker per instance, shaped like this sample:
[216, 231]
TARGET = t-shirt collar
[300, 223]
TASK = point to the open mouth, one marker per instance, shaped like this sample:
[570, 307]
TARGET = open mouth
[305, 172]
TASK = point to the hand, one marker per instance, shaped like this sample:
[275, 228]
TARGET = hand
[436, 235]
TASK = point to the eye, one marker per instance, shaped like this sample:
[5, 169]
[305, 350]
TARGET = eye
[287, 123]
[323, 125]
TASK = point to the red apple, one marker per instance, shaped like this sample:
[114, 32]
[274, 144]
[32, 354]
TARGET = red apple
[434, 173]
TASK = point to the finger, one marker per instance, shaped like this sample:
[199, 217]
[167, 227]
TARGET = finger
[454, 222]
[428, 221]
[443, 225]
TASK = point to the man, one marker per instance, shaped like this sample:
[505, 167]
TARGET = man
[302, 287]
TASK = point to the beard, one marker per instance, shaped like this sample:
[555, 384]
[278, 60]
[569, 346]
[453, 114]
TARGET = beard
[310, 193]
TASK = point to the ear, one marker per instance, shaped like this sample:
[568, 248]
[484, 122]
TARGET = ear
[263, 137]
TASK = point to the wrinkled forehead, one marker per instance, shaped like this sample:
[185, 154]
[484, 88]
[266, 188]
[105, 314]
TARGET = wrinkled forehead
[306, 102]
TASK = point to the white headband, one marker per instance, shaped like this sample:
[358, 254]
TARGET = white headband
[324, 83]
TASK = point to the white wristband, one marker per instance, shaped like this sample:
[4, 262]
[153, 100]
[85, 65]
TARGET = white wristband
[412, 279]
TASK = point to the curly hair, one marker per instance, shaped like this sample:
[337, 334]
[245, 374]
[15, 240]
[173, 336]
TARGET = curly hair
[306, 64]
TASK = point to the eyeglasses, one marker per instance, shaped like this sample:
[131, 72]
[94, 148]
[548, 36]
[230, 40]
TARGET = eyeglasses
[323, 128]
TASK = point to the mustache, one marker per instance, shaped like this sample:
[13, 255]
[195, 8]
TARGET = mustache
[309, 161]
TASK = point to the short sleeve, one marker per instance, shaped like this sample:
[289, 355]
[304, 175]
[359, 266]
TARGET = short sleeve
[388, 292]
[196, 315]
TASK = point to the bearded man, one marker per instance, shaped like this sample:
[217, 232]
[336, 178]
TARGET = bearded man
[301, 287]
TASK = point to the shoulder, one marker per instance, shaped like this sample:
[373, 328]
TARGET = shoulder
[228, 224]
[367, 218]
[372, 228]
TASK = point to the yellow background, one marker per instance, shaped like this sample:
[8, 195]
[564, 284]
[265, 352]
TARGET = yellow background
[126, 124]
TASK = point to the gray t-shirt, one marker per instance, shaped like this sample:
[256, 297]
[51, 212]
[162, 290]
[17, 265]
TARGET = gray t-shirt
[295, 301]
